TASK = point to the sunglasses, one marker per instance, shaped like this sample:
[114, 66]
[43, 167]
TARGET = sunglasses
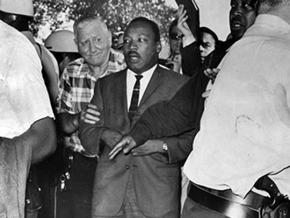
[175, 36]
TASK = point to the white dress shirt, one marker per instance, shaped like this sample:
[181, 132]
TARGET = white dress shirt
[23, 95]
[131, 79]
[245, 127]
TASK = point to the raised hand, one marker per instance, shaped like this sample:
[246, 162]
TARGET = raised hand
[183, 26]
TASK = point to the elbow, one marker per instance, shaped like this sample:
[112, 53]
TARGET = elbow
[46, 143]
[67, 123]
[51, 141]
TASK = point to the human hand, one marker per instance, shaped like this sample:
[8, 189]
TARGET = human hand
[149, 147]
[211, 73]
[126, 144]
[90, 115]
[111, 137]
[183, 26]
[175, 63]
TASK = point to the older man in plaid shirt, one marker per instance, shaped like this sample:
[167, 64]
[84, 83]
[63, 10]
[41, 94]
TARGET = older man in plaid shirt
[76, 90]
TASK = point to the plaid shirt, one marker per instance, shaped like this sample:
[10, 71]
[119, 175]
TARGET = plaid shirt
[77, 89]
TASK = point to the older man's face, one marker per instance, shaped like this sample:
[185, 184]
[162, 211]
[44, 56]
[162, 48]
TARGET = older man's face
[94, 42]
[242, 16]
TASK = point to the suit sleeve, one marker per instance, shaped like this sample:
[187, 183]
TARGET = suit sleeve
[90, 134]
[179, 115]
[179, 147]
[191, 60]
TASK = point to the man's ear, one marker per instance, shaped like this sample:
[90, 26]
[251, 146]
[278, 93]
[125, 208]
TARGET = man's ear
[76, 41]
[110, 38]
[158, 47]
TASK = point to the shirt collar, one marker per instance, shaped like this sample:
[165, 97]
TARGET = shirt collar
[146, 73]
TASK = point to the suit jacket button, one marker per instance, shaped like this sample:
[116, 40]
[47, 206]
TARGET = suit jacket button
[127, 167]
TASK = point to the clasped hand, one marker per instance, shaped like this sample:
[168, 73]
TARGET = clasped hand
[127, 144]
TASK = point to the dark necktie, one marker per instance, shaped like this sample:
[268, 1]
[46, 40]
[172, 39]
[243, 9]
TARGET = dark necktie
[135, 97]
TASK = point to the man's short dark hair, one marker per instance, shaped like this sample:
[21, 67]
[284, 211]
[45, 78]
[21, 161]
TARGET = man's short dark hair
[151, 23]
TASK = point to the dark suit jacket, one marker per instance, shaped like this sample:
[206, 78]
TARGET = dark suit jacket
[156, 178]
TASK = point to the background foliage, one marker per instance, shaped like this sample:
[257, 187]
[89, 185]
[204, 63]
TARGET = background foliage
[117, 13]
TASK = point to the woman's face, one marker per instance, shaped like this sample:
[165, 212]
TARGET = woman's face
[207, 45]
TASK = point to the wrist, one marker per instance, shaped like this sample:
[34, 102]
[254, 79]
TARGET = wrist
[164, 147]
[76, 120]
[188, 40]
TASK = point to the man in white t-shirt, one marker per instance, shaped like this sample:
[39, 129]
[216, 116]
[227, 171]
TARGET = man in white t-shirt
[27, 132]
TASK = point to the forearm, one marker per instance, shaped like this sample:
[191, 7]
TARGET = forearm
[41, 137]
[178, 115]
[179, 147]
[90, 136]
[68, 123]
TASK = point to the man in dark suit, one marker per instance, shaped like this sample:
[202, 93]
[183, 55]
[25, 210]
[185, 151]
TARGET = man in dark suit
[145, 183]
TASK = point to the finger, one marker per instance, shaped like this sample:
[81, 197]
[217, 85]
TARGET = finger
[215, 71]
[91, 116]
[207, 72]
[114, 152]
[205, 94]
[118, 147]
[89, 121]
[92, 106]
[128, 148]
[93, 111]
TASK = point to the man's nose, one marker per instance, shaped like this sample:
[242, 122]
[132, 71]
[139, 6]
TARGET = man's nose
[133, 45]
[93, 46]
[201, 48]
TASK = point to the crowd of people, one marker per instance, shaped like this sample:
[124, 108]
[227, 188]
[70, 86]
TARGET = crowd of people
[96, 124]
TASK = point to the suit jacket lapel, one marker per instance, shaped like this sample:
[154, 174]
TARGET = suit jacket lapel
[154, 83]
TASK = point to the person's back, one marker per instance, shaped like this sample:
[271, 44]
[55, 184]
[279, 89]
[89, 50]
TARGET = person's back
[23, 116]
[252, 82]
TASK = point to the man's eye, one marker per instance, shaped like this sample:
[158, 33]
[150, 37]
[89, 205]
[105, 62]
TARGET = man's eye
[247, 7]
[141, 40]
[84, 43]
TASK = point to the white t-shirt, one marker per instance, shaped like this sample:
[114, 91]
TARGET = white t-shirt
[23, 95]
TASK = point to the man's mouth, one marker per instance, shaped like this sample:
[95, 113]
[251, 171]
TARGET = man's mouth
[133, 56]
[236, 25]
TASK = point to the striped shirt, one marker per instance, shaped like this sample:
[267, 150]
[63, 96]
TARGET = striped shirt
[77, 89]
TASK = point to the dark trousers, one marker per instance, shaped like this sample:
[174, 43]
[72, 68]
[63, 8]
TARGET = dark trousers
[75, 201]
[192, 209]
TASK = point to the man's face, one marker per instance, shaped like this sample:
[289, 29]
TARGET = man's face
[140, 49]
[94, 42]
[207, 45]
[242, 16]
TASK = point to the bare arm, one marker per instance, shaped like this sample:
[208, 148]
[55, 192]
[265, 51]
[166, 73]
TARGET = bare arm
[41, 136]
[69, 123]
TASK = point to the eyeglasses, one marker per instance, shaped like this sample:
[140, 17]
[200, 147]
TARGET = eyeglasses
[175, 36]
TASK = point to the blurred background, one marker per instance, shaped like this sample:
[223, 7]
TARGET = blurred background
[59, 14]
